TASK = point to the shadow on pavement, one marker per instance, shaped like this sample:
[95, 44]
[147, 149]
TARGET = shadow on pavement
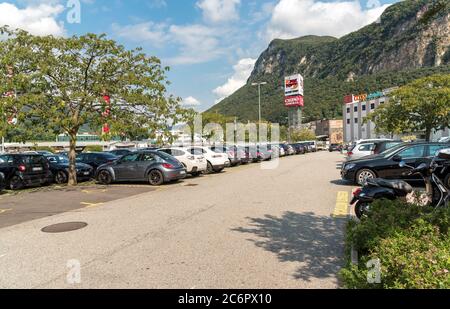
[316, 242]
[341, 182]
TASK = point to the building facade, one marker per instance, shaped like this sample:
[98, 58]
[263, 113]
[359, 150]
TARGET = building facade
[355, 111]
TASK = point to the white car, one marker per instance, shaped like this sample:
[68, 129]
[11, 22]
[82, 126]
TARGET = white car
[216, 162]
[194, 164]
[361, 150]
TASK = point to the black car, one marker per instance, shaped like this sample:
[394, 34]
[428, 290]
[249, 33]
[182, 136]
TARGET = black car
[335, 147]
[120, 152]
[22, 170]
[59, 166]
[382, 146]
[156, 167]
[95, 159]
[386, 164]
[299, 148]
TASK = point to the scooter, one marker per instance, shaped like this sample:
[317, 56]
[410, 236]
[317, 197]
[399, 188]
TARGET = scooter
[436, 193]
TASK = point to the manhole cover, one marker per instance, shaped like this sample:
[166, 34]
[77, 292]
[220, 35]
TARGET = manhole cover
[64, 227]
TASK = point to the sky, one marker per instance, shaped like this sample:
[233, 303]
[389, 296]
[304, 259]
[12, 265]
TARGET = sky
[210, 45]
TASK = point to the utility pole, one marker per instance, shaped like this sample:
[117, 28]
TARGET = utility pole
[259, 98]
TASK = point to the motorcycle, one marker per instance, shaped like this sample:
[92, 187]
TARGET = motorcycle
[436, 193]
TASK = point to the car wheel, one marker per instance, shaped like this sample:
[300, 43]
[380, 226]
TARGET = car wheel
[155, 178]
[16, 183]
[61, 177]
[363, 175]
[210, 168]
[104, 177]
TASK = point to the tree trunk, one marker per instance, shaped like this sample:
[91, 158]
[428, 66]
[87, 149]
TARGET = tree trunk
[72, 160]
[428, 134]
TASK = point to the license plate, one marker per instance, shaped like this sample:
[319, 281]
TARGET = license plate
[86, 173]
[182, 172]
[37, 169]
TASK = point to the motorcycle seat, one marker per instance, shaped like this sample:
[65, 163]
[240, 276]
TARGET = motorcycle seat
[397, 185]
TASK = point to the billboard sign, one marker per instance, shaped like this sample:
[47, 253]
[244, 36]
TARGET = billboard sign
[294, 101]
[293, 85]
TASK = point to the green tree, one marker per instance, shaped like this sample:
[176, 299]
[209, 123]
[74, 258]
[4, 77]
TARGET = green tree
[420, 106]
[303, 135]
[60, 84]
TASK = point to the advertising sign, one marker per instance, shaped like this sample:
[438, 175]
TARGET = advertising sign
[293, 85]
[294, 101]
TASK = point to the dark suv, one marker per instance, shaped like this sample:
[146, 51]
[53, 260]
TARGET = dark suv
[22, 170]
[95, 159]
[2, 182]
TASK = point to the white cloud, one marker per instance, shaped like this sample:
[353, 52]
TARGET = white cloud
[197, 43]
[190, 101]
[38, 20]
[147, 32]
[218, 11]
[294, 18]
[242, 71]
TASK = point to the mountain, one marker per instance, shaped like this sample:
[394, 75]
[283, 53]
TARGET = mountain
[410, 40]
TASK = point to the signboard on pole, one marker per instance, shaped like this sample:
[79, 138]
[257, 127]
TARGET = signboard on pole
[293, 85]
[294, 101]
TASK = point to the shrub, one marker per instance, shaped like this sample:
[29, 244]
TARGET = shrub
[411, 242]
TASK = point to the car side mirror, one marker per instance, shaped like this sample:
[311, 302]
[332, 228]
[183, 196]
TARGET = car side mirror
[397, 158]
[402, 164]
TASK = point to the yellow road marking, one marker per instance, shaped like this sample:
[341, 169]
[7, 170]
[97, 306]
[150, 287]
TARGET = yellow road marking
[91, 205]
[4, 210]
[94, 191]
[342, 205]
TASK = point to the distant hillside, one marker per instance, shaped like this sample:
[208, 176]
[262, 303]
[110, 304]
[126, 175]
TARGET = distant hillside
[411, 40]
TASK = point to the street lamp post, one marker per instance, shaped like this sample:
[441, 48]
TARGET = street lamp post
[259, 97]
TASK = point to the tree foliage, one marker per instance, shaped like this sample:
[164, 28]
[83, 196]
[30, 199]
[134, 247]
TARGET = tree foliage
[61, 83]
[303, 135]
[420, 106]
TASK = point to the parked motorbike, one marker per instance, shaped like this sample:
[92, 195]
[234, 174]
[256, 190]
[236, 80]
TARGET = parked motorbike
[436, 193]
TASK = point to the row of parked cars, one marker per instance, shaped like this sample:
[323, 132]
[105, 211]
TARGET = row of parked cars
[381, 158]
[155, 165]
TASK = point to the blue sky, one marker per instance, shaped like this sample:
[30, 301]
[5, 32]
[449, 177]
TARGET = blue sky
[210, 45]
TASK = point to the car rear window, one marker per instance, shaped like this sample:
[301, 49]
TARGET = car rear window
[33, 159]
[109, 156]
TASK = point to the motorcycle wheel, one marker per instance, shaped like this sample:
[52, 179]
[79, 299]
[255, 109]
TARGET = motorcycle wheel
[361, 209]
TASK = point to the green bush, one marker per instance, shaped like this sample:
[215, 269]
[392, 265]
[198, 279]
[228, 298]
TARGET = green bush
[411, 242]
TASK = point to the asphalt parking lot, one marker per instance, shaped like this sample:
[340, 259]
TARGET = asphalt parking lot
[244, 228]
[36, 203]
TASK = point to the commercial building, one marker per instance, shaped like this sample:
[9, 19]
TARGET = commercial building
[355, 111]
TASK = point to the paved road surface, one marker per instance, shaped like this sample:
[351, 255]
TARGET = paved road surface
[245, 228]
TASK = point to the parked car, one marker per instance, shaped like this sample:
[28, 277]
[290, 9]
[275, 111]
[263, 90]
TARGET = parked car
[153, 166]
[216, 161]
[120, 152]
[244, 154]
[386, 165]
[335, 147]
[59, 166]
[265, 152]
[253, 153]
[95, 159]
[299, 148]
[288, 150]
[233, 154]
[360, 151]
[382, 146]
[23, 170]
[194, 164]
